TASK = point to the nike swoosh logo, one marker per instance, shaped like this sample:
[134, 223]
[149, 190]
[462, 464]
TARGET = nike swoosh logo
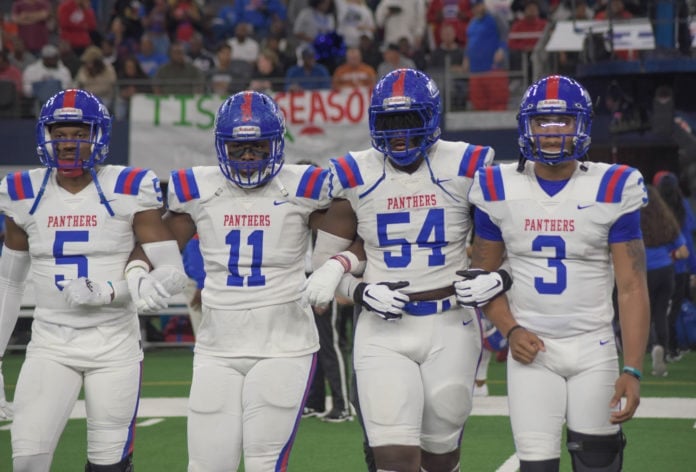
[276, 202]
[582, 207]
[603, 342]
[497, 284]
[464, 323]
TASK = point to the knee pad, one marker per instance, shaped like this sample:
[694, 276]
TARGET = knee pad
[548, 465]
[597, 453]
[126, 465]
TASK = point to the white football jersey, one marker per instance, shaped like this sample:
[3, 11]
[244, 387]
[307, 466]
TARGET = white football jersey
[253, 241]
[558, 246]
[73, 235]
[414, 225]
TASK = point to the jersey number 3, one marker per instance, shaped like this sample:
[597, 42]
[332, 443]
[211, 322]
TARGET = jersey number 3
[555, 262]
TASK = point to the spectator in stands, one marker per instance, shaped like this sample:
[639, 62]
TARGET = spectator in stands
[97, 76]
[279, 45]
[684, 269]
[260, 14]
[402, 19]
[222, 25]
[229, 75]
[198, 55]
[449, 52]
[47, 71]
[185, 17]
[486, 53]
[127, 16]
[18, 55]
[416, 55]
[370, 51]
[150, 60]
[313, 20]
[8, 31]
[77, 22]
[268, 73]
[131, 80]
[8, 72]
[32, 17]
[307, 75]
[156, 23]
[568, 60]
[617, 10]
[177, 75]
[393, 59]
[524, 36]
[354, 19]
[354, 72]
[244, 47]
[454, 13]
[68, 57]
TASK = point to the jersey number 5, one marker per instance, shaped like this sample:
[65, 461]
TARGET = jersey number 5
[431, 235]
[63, 237]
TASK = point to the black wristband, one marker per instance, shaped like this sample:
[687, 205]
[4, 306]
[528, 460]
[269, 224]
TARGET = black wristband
[512, 330]
[358, 293]
[507, 280]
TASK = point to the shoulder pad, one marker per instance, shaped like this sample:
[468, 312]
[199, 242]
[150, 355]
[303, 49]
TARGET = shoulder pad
[613, 181]
[19, 186]
[491, 183]
[311, 183]
[185, 186]
[474, 157]
[128, 181]
[347, 171]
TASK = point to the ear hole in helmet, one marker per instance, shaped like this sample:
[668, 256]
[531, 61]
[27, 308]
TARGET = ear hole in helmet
[398, 121]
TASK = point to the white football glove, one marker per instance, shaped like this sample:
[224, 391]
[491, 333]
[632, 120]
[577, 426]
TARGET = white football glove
[83, 291]
[320, 287]
[148, 293]
[383, 299]
[174, 281]
[480, 287]
[6, 412]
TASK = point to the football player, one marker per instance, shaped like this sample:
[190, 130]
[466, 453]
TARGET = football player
[570, 229]
[255, 350]
[75, 223]
[416, 350]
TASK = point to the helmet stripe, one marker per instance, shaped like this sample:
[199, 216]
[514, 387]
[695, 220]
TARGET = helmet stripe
[398, 85]
[69, 98]
[552, 87]
[246, 107]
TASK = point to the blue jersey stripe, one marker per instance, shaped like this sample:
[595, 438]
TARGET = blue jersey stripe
[473, 158]
[19, 186]
[491, 181]
[311, 183]
[348, 171]
[185, 185]
[129, 180]
[612, 184]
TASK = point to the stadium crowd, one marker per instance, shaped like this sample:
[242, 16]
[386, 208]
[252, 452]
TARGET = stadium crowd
[120, 47]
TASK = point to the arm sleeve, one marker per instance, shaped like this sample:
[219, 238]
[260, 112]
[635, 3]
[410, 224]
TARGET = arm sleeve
[626, 228]
[485, 228]
[193, 262]
[14, 266]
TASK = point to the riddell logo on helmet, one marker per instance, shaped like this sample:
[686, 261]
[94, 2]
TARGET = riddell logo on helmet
[246, 131]
[551, 105]
[397, 102]
[68, 113]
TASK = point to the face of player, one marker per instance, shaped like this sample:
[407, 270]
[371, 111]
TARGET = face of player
[553, 132]
[248, 151]
[71, 145]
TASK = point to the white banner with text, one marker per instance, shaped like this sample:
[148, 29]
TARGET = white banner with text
[177, 131]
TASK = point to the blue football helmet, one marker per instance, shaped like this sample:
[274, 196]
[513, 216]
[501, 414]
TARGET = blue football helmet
[250, 116]
[74, 106]
[405, 104]
[555, 95]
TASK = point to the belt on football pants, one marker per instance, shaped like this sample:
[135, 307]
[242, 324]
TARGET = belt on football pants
[430, 307]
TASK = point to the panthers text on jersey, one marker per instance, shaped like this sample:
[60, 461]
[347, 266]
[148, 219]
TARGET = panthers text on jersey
[558, 246]
[73, 235]
[414, 225]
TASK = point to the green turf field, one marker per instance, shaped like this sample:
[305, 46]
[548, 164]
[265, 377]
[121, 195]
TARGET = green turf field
[667, 443]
